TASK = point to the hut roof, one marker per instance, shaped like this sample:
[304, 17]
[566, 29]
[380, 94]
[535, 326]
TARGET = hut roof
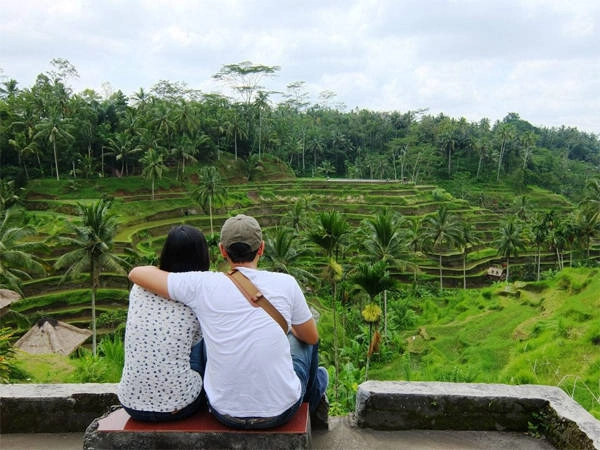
[7, 297]
[52, 336]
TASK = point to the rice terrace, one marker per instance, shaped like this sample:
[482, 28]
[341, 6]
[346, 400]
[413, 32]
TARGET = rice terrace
[432, 312]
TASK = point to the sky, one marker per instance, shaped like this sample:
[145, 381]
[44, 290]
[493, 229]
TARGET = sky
[464, 58]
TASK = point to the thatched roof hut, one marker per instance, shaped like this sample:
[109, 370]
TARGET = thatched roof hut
[7, 297]
[52, 336]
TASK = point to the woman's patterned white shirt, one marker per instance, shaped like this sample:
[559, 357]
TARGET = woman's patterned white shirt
[159, 335]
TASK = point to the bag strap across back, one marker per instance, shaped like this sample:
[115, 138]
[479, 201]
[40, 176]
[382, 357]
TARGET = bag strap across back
[250, 292]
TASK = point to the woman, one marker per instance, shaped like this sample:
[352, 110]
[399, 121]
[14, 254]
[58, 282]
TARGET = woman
[158, 382]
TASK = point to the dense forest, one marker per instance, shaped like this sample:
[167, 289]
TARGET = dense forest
[452, 199]
[48, 130]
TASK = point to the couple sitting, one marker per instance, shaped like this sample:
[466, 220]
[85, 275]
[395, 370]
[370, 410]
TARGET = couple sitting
[254, 375]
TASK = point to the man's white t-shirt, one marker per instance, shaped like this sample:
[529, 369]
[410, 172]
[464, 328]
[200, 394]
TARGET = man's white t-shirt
[249, 372]
[159, 335]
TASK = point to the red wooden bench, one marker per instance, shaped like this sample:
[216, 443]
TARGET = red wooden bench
[117, 430]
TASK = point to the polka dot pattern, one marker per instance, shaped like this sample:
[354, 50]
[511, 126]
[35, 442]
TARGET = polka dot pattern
[159, 336]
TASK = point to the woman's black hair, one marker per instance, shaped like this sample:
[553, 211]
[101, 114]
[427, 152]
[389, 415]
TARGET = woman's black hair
[185, 250]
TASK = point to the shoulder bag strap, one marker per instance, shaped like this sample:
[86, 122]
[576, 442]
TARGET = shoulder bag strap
[250, 291]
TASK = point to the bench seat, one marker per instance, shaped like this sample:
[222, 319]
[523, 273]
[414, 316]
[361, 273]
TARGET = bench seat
[117, 430]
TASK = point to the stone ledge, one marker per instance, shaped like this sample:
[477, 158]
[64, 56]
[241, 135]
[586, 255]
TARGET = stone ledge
[53, 408]
[395, 405]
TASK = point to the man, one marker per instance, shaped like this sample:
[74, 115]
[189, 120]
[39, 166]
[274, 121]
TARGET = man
[256, 376]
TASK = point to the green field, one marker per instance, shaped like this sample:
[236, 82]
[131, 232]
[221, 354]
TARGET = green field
[524, 331]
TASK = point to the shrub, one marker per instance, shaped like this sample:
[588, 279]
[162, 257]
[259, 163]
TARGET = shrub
[8, 368]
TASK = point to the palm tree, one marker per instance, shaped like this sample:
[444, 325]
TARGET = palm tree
[296, 217]
[163, 122]
[371, 314]
[592, 193]
[372, 278]
[329, 232]
[442, 230]
[334, 273]
[506, 133]
[281, 255]
[8, 194]
[153, 166]
[539, 236]
[586, 226]
[210, 190]
[16, 258]
[184, 151]
[382, 239]
[54, 128]
[558, 237]
[261, 103]
[467, 239]
[414, 235]
[23, 148]
[510, 242]
[92, 250]
[122, 148]
[235, 127]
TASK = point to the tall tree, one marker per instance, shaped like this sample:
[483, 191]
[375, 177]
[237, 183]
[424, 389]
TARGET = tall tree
[210, 189]
[92, 251]
[539, 237]
[467, 239]
[506, 133]
[122, 147]
[282, 255]
[54, 128]
[510, 242]
[587, 221]
[328, 232]
[153, 166]
[245, 78]
[381, 236]
[374, 279]
[414, 234]
[382, 239]
[297, 216]
[443, 231]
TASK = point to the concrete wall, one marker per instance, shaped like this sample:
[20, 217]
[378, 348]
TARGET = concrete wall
[396, 405]
[53, 408]
[391, 405]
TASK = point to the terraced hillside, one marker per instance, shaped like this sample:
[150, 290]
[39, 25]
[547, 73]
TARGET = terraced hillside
[144, 222]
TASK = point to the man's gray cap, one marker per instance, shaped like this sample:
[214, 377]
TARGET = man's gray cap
[242, 229]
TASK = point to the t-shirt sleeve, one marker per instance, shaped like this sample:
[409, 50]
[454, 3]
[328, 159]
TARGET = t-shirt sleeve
[181, 287]
[300, 310]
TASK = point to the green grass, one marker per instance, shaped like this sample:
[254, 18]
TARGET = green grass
[547, 335]
[543, 333]
[45, 368]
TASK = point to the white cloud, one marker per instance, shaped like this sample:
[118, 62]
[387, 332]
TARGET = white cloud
[468, 58]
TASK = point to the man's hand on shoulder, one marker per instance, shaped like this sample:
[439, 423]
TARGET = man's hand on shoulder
[151, 278]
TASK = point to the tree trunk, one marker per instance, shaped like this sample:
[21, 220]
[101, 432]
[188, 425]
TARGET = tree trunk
[441, 275]
[210, 214]
[335, 343]
[465, 270]
[55, 159]
[94, 286]
[385, 313]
